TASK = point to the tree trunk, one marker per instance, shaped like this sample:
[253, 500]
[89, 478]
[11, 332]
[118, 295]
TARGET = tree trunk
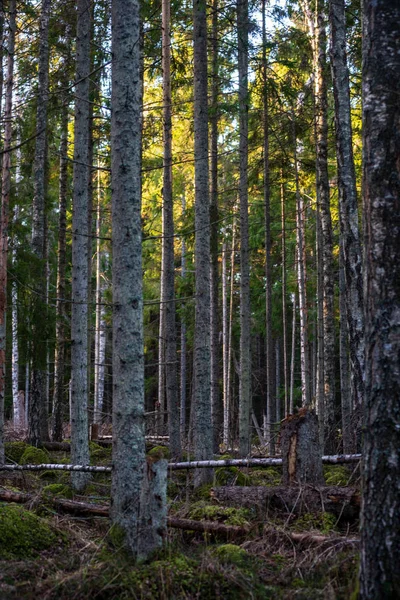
[202, 430]
[380, 521]
[168, 271]
[5, 197]
[302, 278]
[270, 404]
[38, 406]
[348, 209]
[216, 404]
[128, 362]
[245, 321]
[59, 403]
[323, 200]
[80, 232]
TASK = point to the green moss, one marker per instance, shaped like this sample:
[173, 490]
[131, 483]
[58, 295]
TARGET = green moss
[22, 533]
[324, 522]
[268, 476]
[336, 475]
[58, 489]
[15, 450]
[35, 456]
[159, 452]
[230, 476]
[223, 514]
[232, 555]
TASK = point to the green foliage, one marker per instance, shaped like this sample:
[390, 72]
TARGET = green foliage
[223, 514]
[15, 450]
[35, 456]
[336, 475]
[22, 533]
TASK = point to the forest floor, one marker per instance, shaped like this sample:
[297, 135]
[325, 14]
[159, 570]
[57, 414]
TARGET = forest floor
[51, 555]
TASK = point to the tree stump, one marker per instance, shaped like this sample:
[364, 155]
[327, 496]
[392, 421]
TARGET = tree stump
[301, 450]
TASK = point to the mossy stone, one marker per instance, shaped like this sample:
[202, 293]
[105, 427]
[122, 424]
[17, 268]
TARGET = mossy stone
[22, 533]
[35, 456]
[14, 450]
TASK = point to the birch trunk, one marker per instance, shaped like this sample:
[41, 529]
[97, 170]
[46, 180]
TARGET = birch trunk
[245, 322]
[348, 208]
[80, 275]
[5, 196]
[168, 271]
[202, 430]
[301, 278]
[128, 360]
[214, 228]
[59, 403]
[380, 519]
[38, 406]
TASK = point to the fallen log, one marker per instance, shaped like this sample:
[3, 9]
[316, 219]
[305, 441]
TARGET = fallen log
[344, 502]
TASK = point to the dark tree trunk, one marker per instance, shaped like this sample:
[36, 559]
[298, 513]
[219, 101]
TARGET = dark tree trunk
[380, 522]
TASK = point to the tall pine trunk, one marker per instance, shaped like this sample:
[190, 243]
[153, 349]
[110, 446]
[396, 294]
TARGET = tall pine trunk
[5, 197]
[38, 406]
[202, 430]
[380, 517]
[245, 321]
[168, 271]
[80, 233]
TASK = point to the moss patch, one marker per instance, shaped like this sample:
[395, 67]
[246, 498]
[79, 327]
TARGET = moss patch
[22, 533]
[34, 456]
[15, 450]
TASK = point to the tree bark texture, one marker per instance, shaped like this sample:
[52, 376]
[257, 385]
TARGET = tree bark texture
[245, 321]
[202, 430]
[38, 406]
[59, 360]
[5, 199]
[380, 522]
[80, 232]
[216, 403]
[168, 271]
[128, 360]
[348, 209]
[301, 450]
[323, 201]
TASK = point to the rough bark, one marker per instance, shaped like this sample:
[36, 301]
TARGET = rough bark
[216, 404]
[301, 450]
[202, 430]
[348, 209]
[245, 322]
[323, 200]
[168, 271]
[38, 406]
[5, 197]
[270, 404]
[128, 360]
[344, 502]
[59, 360]
[80, 232]
[380, 523]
